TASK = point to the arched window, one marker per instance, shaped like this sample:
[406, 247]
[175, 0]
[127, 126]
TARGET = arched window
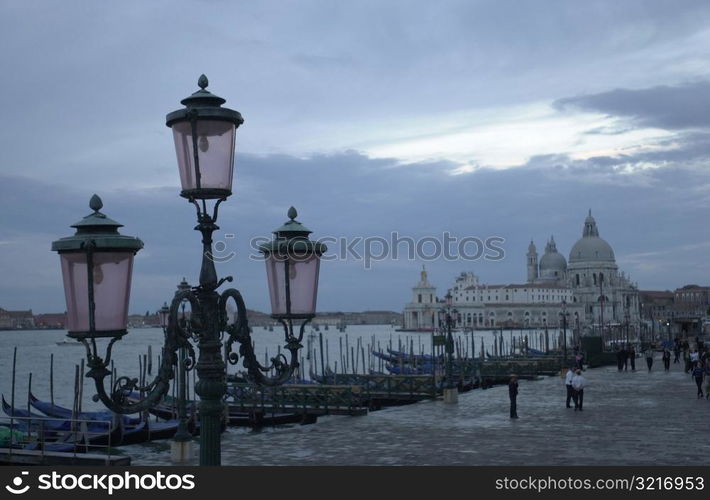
[576, 276]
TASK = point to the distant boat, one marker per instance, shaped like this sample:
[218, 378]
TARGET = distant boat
[69, 342]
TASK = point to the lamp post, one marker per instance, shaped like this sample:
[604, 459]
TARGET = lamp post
[181, 447]
[563, 315]
[97, 267]
[446, 316]
[627, 320]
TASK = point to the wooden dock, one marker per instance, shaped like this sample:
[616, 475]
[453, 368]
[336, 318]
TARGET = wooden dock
[10, 456]
[305, 399]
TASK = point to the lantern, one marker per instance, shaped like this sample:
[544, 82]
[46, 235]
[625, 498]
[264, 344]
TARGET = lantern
[97, 265]
[204, 134]
[292, 266]
[163, 314]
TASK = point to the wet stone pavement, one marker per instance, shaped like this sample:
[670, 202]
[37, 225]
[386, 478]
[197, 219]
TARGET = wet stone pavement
[629, 418]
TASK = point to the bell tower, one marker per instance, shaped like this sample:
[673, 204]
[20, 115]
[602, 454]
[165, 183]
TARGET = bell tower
[532, 262]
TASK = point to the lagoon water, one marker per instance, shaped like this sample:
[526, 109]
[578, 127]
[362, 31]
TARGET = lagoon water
[319, 443]
[35, 347]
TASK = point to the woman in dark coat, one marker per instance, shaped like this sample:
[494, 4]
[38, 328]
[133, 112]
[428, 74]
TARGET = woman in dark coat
[513, 394]
[698, 373]
[666, 359]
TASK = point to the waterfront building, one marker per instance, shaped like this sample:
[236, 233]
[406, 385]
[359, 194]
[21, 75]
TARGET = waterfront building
[589, 288]
[421, 312]
[16, 320]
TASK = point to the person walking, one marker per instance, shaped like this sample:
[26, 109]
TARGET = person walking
[688, 366]
[513, 394]
[698, 373]
[706, 379]
[579, 360]
[694, 356]
[625, 358]
[632, 358]
[568, 385]
[578, 385]
[619, 359]
[666, 359]
[649, 357]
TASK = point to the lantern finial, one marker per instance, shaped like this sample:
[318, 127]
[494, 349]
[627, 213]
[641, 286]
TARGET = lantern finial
[292, 213]
[95, 203]
[203, 82]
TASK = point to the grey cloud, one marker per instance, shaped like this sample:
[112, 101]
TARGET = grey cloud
[668, 107]
[352, 195]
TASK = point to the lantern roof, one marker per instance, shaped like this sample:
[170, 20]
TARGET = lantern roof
[203, 104]
[100, 230]
[293, 236]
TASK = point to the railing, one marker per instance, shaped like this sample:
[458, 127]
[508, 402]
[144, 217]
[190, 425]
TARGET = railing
[44, 436]
[296, 397]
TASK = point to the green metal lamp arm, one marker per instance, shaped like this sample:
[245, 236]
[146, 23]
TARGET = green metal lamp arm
[176, 336]
[240, 332]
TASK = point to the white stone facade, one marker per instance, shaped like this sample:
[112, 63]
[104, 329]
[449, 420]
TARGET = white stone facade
[553, 286]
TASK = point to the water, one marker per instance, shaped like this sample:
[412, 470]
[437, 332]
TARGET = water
[34, 349]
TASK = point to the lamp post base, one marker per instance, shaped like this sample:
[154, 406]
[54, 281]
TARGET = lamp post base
[451, 396]
[181, 452]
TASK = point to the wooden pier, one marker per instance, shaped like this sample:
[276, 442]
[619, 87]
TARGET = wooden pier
[10, 456]
[355, 394]
[304, 399]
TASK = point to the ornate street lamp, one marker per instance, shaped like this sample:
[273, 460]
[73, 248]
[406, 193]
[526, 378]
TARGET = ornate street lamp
[204, 134]
[446, 317]
[163, 314]
[564, 315]
[292, 268]
[97, 265]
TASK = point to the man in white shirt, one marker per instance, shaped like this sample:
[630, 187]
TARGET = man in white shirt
[568, 385]
[578, 385]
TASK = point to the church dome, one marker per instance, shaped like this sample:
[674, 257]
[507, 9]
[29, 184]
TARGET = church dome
[552, 261]
[590, 247]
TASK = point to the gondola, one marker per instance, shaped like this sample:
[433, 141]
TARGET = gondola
[135, 430]
[66, 432]
[53, 410]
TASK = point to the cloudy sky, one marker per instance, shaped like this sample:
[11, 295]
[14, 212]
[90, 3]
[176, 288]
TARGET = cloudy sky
[475, 118]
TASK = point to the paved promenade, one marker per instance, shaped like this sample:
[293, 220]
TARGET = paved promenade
[629, 418]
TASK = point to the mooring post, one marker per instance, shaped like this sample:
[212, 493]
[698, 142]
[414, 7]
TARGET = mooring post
[51, 379]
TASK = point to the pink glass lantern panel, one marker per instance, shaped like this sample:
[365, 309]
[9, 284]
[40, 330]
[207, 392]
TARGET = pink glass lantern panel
[303, 281]
[215, 150]
[112, 288]
[163, 317]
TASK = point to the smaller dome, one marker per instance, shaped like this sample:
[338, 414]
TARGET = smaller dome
[552, 260]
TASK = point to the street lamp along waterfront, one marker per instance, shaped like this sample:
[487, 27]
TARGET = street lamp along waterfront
[97, 264]
[446, 318]
[564, 315]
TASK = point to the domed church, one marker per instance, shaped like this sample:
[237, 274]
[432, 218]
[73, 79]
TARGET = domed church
[601, 294]
[587, 288]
